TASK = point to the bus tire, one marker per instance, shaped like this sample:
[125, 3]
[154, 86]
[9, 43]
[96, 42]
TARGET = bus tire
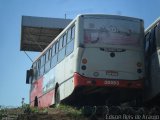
[57, 97]
[36, 102]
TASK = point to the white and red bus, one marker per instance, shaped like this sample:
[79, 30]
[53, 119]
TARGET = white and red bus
[96, 56]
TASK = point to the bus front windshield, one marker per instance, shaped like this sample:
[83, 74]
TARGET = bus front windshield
[112, 31]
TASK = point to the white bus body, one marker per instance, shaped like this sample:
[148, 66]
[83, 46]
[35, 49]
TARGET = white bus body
[105, 53]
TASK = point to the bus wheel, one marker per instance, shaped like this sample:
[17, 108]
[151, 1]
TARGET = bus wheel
[36, 102]
[57, 97]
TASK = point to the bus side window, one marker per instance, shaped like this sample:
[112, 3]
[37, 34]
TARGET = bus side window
[54, 60]
[35, 71]
[73, 32]
[56, 46]
[42, 65]
[53, 50]
[61, 53]
[39, 67]
[43, 60]
[54, 54]
[60, 43]
[70, 41]
[46, 58]
[50, 53]
[64, 40]
[69, 36]
[47, 63]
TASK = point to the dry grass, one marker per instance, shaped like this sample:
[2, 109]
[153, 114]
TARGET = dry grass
[63, 112]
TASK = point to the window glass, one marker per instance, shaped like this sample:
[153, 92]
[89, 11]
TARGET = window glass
[50, 53]
[34, 65]
[43, 60]
[53, 50]
[103, 31]
[47, 66]
[56, 46]
[69, 35]
[64, 40]
[39, 63]
[35, 70]
[38, 67]
[46, 56]
[42, 71]
[69, 47]
[73, 32]
[54, 61]
[61, 54]
[60, 43]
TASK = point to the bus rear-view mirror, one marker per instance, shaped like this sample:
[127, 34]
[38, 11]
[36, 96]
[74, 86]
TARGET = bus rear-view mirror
[29, 76]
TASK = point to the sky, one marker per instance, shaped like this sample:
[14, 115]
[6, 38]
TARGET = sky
[14, 63]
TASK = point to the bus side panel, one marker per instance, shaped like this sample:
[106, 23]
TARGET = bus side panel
[154, 82]
[36, 90]
[46, 99]
[59, 78]
[64, 76]
[48, 88]
[44, 89]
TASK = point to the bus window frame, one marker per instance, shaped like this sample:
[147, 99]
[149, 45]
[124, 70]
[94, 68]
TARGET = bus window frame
[35, 71]
[69, 35]
[72, 39]
[56, 46]
[64, 40]
[47, 65]
[62, 48]
[73, 31]
[60, 45]
[53, 51]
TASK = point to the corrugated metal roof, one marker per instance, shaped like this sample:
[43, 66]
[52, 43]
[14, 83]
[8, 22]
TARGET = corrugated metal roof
[38, 32]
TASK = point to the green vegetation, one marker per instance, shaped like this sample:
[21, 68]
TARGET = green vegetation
[71, 111]
[33, 113]
[26, 112]
[63, 108]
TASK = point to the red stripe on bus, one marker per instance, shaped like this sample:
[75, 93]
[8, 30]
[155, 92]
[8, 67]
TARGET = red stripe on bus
[44, 99]
[80, 80]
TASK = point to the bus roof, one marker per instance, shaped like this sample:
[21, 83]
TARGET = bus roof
[111, 16]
